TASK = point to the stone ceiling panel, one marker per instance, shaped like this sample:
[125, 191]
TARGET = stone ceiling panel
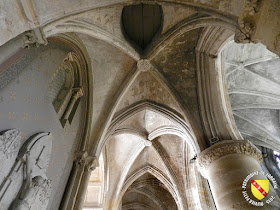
[121, 149]
[148, 87]
[173, 151]
[108, 18]
[170, 20]
[147, 157]
[178, 64]
[110, 67]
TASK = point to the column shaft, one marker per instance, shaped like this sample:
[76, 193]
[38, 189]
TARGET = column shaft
[226, 165]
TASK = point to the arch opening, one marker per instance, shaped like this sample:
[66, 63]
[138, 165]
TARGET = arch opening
[147, 192]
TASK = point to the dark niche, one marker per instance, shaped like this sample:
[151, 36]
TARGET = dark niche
[141, 23]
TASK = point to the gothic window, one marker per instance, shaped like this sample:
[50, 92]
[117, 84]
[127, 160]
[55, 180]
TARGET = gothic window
[65, 89]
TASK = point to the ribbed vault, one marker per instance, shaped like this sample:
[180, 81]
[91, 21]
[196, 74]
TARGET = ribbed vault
[151, 111]
[147, 192]
[252, 75]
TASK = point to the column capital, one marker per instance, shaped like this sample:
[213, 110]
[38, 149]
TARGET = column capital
[91, 163]
[77, 92]
[224, 148]
[83, 159]
[33, 38]
[80, 158]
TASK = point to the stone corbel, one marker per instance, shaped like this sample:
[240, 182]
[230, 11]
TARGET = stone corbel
[33, 38]
[83, 159]
[91, 163]
[80, 158]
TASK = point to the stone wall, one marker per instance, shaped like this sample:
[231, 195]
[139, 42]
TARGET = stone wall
[26, 106]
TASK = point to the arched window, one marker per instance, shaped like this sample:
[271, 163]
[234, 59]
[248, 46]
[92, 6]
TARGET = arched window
[65, 88]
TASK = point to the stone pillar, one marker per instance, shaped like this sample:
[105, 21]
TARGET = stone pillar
[76, 94]
[91, 164]
[70, 193]
[226, 164]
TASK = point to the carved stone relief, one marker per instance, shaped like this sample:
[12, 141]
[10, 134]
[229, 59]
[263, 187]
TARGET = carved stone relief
[9, 147]
[34, 196]
[147, 86]
[25, 184]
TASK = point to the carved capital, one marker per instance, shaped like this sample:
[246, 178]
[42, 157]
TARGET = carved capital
[80, 159]
[33, 38]
[91, 163]
[83, 159]
[144, 65]
[224, 148]
[77, 92]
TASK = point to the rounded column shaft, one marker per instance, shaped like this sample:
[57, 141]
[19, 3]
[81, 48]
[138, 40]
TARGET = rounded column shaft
[226, 165]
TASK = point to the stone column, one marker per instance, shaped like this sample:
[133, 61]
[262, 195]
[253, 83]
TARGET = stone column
[91, 164]
[226, 164]
[70, 193]
[76, 94]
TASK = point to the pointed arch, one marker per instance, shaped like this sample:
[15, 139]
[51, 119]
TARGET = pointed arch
[69, 25]
[156, 173]
[218, 120]
[170, 114]
[188, 25]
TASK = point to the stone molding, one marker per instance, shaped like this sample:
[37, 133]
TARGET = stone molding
[215, 109]
[92, 163]
[224, 148]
